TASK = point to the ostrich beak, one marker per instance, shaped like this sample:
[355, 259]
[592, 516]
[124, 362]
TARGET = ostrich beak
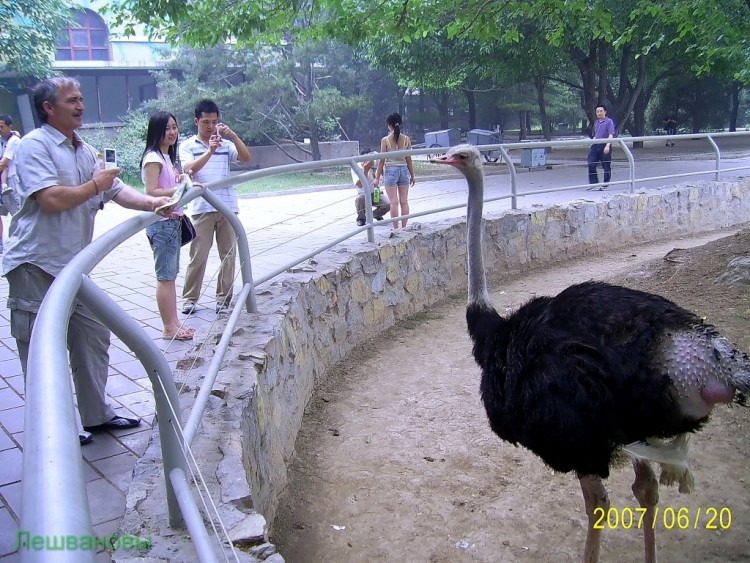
[448, 159]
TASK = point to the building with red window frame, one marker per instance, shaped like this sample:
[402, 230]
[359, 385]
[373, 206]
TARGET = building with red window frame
[114, 70]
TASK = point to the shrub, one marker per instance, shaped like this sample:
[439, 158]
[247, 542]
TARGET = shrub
[129, 141]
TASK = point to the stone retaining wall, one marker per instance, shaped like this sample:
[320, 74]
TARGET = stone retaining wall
[311, 318]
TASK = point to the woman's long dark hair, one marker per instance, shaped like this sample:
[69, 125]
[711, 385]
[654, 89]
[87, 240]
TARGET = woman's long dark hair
[157, 129]
[394, 120]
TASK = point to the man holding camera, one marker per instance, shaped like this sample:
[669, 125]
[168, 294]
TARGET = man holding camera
[206, 157]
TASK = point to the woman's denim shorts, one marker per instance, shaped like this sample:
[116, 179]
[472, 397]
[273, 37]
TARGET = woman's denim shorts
[165, 238]
[396, 176]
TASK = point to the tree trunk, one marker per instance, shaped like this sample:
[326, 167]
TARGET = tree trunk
[401, 102]
[639, 120]
[697, 113]
[314, 140]
[522, 125]
[498, 119]
[441, 103]
[304, 81]
[603, 77]
[539, 85]
[736, 89]
[586, 68]
[471, 100]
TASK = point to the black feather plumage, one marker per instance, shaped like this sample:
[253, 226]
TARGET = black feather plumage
[571, 378]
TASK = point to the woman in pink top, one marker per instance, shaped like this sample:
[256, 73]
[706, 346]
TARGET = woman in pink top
[160, 177]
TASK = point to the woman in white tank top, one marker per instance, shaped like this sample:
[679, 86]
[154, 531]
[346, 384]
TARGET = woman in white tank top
[398, 172]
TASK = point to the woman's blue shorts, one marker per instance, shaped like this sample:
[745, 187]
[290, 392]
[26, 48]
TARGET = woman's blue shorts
[165, 238]
[396, 176]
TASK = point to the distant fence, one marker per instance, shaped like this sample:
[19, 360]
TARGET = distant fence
[271, 155]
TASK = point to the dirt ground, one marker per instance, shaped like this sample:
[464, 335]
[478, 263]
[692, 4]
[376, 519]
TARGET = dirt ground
[396, 461]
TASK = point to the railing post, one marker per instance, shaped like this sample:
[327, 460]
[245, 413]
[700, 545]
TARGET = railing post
[513, 177]
[159, 373]
[193, 517]
[53, 479]
[718, 156]
[368, 199]
[243, 249]
[631, 162]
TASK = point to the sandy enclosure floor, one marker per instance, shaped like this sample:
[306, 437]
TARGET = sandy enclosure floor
[396, 460]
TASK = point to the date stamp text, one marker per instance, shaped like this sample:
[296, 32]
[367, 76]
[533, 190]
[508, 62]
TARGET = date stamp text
[668, 518]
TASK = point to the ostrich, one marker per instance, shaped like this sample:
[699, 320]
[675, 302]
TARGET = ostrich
[596, 375]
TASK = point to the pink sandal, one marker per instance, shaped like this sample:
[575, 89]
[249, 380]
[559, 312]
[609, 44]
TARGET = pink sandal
[184, 333]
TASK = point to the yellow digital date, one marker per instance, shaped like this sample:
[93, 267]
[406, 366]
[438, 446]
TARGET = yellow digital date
[684, 518]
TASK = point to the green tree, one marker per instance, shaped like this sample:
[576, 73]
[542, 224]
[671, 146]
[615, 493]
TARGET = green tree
[697, 104]
[275, 95]
[310, 103]
[129, 141]
[28, 33]
[712, 34]
[223, 74]
[434, 66]
[616, 46]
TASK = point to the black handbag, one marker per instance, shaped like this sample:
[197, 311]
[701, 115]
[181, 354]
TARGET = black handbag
[187, 230]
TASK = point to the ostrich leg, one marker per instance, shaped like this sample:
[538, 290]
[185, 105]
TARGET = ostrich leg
[646, 491]
[594, 496]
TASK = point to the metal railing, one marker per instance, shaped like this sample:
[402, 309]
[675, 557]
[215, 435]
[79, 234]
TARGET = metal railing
[53, 481]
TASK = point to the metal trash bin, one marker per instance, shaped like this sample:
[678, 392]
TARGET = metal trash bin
[486, 137]
[531, 158]
[445, 138]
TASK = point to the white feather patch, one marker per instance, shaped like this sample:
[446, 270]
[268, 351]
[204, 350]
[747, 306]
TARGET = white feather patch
[673, 452]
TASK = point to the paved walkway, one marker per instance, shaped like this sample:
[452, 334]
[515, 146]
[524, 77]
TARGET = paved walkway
[280, 228]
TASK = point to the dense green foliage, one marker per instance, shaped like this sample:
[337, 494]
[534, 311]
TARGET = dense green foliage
[596, 51]
[713, 32]
[27, 35]
[130, 142]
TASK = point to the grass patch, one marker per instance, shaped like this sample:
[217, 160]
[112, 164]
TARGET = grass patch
[419, 319]
[297, 180]
[333, 176]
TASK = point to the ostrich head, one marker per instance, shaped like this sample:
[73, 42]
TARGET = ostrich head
[466, 158]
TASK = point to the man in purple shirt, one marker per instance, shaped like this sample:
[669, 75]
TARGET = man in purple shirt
[604, 128]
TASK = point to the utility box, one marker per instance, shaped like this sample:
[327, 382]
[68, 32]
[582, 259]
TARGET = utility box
[445, 138]
[531, 158]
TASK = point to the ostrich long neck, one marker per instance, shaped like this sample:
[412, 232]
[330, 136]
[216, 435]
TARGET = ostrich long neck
[477, 282]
